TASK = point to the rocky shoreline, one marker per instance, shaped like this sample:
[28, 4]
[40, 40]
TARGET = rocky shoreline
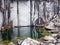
[29, 41]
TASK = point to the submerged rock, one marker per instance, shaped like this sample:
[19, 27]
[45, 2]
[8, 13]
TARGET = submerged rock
[30, 41]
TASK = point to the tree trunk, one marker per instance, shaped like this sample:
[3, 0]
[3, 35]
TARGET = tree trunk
[18, 17]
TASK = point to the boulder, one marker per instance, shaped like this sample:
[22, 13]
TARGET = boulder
[30, 41]
[51, 44]
[50, 38]
[50, 26]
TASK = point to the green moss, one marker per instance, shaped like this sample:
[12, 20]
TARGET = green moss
[6, 42]
[39, 39]
[21, 38]
[44, 32]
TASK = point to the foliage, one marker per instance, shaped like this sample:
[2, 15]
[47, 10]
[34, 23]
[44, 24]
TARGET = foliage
[44, 32]
[39, 39]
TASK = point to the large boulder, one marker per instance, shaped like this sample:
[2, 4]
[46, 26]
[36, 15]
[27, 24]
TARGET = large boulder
[30, 41]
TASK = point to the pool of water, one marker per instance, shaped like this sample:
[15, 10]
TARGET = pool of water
[23, 32]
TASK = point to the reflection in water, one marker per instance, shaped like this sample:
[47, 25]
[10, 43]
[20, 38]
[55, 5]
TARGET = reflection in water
[27, 32]
[39, 33]
[7, 35]
[24, 32]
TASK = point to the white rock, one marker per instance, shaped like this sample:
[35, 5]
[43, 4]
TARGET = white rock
[58, 44]
[50, 38]
[30, 41]
[54, 35]
[51, 44]
[50, 26]
[19, 41]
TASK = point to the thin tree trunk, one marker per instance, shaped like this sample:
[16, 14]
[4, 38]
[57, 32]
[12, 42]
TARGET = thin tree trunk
[0, 4]
[18, 17]
[38, 11]
[31, 16]
[4, 13]
[8, 10]
[59, 7]
[44, 16]
[31, 13]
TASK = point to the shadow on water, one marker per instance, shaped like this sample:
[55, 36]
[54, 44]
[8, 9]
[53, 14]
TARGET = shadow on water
[23, 32]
